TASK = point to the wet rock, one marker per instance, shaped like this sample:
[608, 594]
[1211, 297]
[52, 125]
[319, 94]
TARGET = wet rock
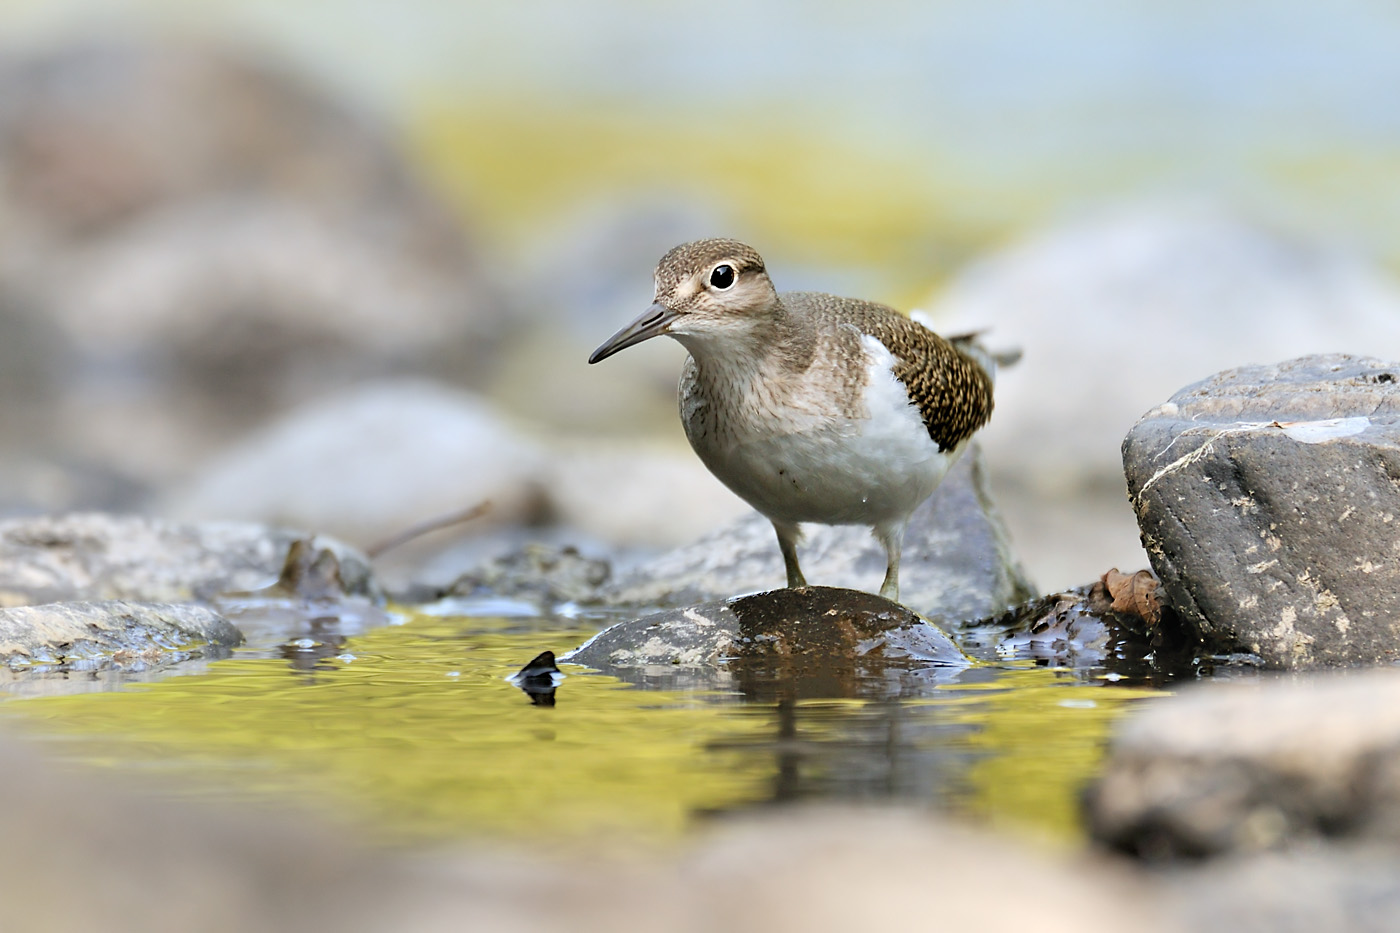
[1254, 765]
[813, 641]
[1099, 627]
[93, 556]
[1110, 310]
[1267, 499]
[957, 563]
[545, 575]
[86, 635]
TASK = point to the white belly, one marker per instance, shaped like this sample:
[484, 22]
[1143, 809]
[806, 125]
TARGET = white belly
[834, 470]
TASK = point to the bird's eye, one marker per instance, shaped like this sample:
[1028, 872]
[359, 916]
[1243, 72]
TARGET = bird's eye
[722, 277]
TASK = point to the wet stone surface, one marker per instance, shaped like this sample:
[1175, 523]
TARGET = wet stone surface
[83, 635]
[1117, 625]
[1268, 497]
[815, 641]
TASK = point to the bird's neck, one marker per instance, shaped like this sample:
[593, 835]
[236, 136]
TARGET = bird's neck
[758, 347]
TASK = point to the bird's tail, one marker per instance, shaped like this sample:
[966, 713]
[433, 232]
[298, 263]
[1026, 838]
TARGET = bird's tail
[971, 344]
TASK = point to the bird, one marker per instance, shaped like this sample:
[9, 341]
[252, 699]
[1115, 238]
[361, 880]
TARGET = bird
[810, 407]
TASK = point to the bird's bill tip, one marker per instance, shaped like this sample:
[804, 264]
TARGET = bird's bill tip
[652, 322]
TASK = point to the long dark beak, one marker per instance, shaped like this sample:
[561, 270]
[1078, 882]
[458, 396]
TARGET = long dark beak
[652, 322]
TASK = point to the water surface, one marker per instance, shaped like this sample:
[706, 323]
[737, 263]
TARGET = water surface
[411, 733]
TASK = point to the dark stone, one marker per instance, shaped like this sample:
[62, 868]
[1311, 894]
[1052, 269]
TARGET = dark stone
[1249, 766]
[1267, 497]
[812, 641]
[957, 562]
[86, 635]
[1080, 630]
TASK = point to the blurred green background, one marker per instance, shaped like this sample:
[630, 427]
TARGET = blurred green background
[892, 139]
[197, 243]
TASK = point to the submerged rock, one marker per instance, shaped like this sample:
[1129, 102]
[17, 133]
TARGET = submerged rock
[91, 634]
[95, 556]
[1267, 500]
[811, 641]
[1246, 766]
[957, 562]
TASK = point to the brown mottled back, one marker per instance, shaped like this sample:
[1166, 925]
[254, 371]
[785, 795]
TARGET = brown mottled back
[952, 390]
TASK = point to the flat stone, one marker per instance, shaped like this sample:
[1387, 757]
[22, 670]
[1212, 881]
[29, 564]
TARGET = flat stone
[1254, 765]
[96, 556]
[809, 641]
[87, 634]
[1268, 498]
[957, 563]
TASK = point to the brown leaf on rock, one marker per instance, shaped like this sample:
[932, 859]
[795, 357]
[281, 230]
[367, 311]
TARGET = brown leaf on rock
[1134, 594]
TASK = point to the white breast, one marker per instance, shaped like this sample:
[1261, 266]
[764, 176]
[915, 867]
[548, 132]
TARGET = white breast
[834, 469]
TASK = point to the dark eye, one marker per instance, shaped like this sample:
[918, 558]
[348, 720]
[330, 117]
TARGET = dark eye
[722, 277]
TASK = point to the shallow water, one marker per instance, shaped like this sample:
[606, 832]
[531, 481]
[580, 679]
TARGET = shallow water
[411, 733]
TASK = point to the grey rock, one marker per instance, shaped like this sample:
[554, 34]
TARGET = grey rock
[810, 641]
[547, 575]
[94, 556]
[239, 241]
[1110, 309]
[1339, 888]
[957, 562]
[85, 634]
[1267, 498]
[366, 464]
[1254, 765]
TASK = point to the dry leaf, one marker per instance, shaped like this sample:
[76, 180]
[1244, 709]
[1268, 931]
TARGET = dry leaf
[1135, 594]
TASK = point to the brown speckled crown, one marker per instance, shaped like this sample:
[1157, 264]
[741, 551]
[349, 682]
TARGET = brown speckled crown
[951, 389]
[689, 258]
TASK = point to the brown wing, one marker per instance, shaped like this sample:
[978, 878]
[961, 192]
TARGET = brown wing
[951, 389]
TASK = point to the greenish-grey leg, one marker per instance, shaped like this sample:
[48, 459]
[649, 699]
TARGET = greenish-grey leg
[788, 536]
[892, 538]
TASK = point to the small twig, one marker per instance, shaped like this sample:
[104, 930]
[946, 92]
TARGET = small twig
[426, 527]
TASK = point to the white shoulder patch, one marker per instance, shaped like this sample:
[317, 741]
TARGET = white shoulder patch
[923, 319]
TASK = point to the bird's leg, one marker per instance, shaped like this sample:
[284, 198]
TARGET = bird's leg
[892, 538]
[788, 536]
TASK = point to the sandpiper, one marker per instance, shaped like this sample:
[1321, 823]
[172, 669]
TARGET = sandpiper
[812, 408]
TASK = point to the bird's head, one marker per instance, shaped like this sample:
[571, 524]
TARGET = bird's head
[705, 290]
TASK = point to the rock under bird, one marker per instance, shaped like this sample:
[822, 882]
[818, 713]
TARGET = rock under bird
[810, 407]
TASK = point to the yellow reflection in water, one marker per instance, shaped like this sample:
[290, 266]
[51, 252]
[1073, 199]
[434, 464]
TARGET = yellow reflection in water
[421, 732]
[414, 732]
[1042, 737]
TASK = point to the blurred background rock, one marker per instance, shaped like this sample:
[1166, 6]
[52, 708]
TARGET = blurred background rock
[339, 265]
